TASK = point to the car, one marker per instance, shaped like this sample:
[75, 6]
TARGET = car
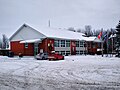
[55, 56]
[42, 56]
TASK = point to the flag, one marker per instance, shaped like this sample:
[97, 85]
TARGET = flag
[106, 36]
[100, 35]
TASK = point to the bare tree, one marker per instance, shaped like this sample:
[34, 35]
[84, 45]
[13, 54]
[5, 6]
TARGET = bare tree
[71, 29]
[5, 42]
[79, 30]
[88, 30]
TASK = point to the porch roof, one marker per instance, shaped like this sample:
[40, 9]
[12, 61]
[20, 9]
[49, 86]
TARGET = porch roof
[93, 39]
[31, 41]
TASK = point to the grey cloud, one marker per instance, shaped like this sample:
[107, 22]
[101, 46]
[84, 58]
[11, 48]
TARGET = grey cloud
[62, 13]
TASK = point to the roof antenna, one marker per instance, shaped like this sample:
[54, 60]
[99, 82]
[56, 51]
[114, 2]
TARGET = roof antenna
[49, 23]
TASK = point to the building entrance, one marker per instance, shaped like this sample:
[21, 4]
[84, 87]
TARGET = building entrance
[35, 49]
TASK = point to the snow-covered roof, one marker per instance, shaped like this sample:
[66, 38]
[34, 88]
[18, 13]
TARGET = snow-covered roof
[98, 40]
[30, 41]
[59, 33]
[89, 38]
[94, 39]
[32, 32]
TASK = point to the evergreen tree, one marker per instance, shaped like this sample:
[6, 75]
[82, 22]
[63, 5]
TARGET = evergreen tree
[118, 40]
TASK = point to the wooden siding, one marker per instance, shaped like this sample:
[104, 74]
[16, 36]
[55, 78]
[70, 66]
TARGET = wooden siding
[17, 48]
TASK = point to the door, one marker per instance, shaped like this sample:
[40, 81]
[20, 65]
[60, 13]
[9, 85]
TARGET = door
[73, 48]
[35, 49]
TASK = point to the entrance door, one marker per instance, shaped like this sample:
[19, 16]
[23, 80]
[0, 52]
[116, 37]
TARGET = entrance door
[35, 49]
[73, 48]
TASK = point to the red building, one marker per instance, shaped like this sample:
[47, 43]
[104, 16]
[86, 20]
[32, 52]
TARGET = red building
[30, 41]
[94, 45]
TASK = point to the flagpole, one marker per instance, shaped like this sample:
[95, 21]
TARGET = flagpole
[102, 47]
[112, 45]
[107, 43]
[101, 42]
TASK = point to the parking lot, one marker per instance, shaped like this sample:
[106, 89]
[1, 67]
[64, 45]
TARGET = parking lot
[73, 73]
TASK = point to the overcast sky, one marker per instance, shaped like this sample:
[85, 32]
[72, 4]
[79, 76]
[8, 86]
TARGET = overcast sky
[62, 13]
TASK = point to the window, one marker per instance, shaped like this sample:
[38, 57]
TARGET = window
[94, 45]
[67, 43]
[63, 52]
[99, 45]
[57, 52]
[56, 43]
[26, 45]
[77, 52]
[67, 53]
[81, 44]
[84, 52]
[77, 43]
[81, 52]
[62, 43]
[88, 44]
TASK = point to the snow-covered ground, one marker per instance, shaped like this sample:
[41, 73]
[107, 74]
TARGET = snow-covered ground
[73, 73]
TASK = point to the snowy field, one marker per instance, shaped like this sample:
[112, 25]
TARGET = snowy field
[73, 73]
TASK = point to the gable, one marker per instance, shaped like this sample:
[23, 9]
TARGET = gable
[26, 33]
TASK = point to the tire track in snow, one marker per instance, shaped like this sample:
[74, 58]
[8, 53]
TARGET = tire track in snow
[53, 78]
[17, 82]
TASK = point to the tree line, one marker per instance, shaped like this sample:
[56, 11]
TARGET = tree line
[88, 31]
